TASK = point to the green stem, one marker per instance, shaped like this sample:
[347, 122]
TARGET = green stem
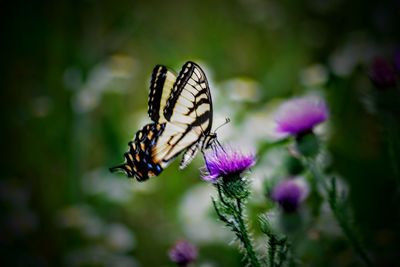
[318, 178]
[272, 250]
[283, 248]
[339, 216]
[244, 236]
[230, 211]
[346, 228]
[278, 245]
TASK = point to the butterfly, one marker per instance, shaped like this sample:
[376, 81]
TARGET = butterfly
[181, 111]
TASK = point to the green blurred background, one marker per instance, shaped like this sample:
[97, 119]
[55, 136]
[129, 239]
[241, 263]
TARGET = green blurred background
[75, 77]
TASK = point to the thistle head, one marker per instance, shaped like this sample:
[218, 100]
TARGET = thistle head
[289, 194]
[226, 162]
[301, 115]
[183, 253]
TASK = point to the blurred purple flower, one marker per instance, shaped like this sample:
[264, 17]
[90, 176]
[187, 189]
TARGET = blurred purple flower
[382, 74]
[289, 194]
[183, 253]
[226, 161]
[300, 115]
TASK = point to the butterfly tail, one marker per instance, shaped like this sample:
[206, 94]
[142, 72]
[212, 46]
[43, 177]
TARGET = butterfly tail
[118, 168]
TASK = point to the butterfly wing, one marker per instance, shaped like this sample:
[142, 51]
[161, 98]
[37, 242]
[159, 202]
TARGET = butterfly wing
[189, 109]
[189, 154]
[190, 100]
[173, 141]
[139, 160]
[161, 84]
[181, 109]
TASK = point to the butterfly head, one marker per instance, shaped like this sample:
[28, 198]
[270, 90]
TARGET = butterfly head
[210, 140]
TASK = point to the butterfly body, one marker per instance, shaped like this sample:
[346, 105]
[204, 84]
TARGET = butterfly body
[181, 110]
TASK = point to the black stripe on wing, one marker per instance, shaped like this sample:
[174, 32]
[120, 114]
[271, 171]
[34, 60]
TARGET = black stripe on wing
[187, 73]
[156, 88]
[198, 122]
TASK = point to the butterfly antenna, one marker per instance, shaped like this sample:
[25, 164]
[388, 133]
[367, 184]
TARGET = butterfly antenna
[227, 120]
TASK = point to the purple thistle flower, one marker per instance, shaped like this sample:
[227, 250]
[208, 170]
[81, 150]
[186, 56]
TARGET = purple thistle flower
[226, 161]
[289, 194]
[382, 74]
[183, 253]
[300, 115]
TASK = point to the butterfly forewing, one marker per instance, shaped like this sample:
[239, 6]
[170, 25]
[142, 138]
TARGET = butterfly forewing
[190, 99]
[161, 84]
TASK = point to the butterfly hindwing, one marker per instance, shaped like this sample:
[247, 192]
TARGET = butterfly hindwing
[139, 161]
[173, 141]
[189, 155]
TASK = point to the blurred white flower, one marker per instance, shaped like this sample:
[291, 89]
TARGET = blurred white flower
[196, 212]
[219, 118]
[260, 126]
[102, 182]
[103, 77]
[85, 101]
[241, 89]
[98, 255]
[119, 238]
[122, 66]
[359, 49]
[82, 218]
[314, 75]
